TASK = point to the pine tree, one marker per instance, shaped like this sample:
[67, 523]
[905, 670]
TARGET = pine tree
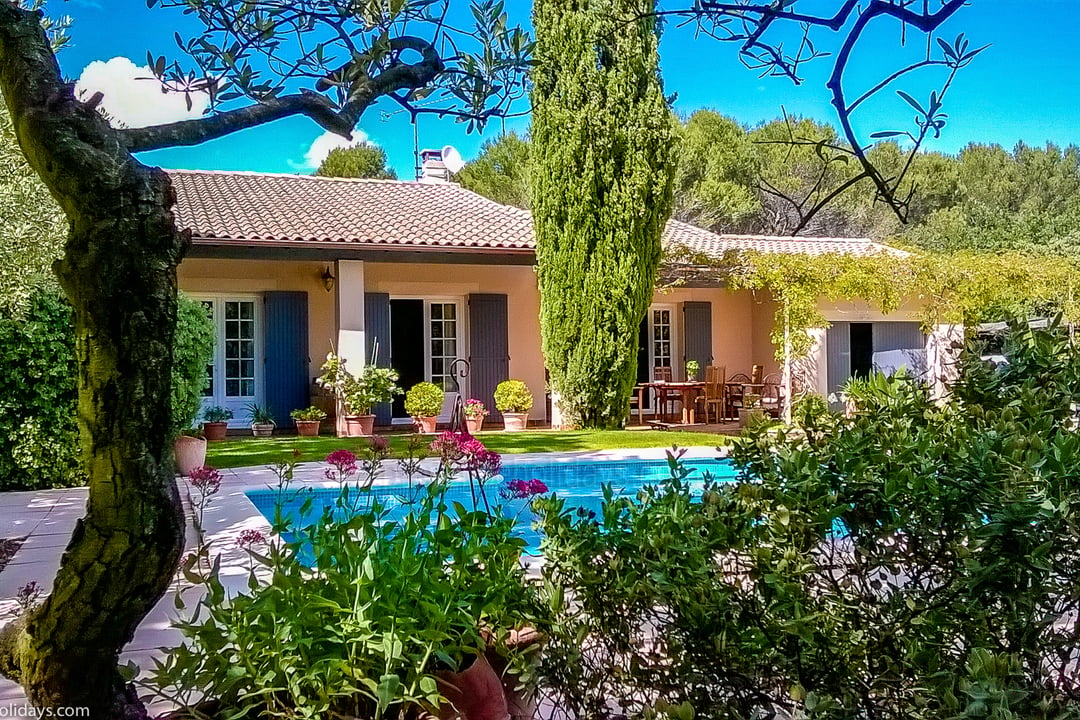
[601, 189]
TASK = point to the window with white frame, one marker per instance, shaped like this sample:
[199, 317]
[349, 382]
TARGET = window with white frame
[443, 343]
[234, 375]
[662, 337]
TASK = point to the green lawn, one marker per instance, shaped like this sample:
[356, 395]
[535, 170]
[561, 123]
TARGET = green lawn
[251, 451]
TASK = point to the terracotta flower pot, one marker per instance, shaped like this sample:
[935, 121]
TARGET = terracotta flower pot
[425, 425]
[215, 431]
[359, 425]
[484, 690]
[474, 424]
[190, 453]
[514, 422]
[307, 428]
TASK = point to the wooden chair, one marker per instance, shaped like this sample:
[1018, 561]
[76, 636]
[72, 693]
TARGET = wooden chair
[734, 391]
[662, 373]
[714, 399]
[773, 394]
[755, 374]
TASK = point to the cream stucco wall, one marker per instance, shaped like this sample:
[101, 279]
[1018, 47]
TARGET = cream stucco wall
[517, 282]
[203, 276]
[216, 277]
[741, 321]
[734, 343]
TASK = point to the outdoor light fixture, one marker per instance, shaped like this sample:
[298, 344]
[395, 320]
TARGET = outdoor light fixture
[328, 279]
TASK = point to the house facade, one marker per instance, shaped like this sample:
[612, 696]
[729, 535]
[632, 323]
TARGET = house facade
[429, 278]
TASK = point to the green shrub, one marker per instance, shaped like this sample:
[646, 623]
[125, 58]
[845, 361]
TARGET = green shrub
[353, 615]
[308, 414]
[193, 350]
[38, 433]
[424, 399]
[915, 560]
[513, 396]
[39, 438]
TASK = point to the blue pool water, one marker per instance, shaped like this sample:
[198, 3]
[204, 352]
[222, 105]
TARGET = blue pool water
[579, 483]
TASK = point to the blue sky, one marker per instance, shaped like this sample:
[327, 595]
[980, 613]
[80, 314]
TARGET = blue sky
[1024, 87]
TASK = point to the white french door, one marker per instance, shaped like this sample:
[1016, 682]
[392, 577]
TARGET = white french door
[235, 377]
[662, 343]
[444, 340]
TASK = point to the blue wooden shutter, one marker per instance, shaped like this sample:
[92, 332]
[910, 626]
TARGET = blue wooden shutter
[838, 357]
[377, 340]
[489, 348]
[898, 336]
[697, 328]
[288, 386]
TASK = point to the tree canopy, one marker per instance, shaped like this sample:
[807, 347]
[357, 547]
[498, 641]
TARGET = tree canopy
[501, 171]
[359, 161]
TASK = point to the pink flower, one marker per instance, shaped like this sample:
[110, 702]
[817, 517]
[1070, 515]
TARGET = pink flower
[474, 408]
[343, 460]
[523, 489]
[250, 537]
[206, 479]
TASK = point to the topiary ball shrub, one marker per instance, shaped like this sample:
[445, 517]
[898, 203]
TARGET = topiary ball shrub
[424, 399]
[513, 396]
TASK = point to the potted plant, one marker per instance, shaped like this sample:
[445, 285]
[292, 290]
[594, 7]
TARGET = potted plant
[692, 367]
[189, 449]
[358, 395]
[513, 400]
[475, 412]
[424, 402]
[751, 409]
[262, 420]
[216, 422]
[308, 421]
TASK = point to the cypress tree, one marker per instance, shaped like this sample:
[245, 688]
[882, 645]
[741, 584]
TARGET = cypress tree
[601, 193]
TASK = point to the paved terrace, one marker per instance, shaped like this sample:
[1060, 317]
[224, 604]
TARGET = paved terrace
[46, 518]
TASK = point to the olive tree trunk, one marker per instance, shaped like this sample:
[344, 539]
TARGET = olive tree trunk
[119, 272]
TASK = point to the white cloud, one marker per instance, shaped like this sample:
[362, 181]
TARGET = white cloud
[322, 145]
[134, 97]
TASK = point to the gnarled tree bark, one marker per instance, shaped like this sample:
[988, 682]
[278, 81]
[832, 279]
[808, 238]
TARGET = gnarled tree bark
[119, 273]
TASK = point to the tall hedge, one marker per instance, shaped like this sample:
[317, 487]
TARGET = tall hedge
[38, 433]
[39, 442]
[602, 169]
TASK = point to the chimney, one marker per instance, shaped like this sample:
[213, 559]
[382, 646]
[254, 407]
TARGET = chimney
[433, 169]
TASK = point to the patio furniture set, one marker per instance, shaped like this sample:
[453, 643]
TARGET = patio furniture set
[718, 396]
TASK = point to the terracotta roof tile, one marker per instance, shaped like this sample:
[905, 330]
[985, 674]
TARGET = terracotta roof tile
[264, 207]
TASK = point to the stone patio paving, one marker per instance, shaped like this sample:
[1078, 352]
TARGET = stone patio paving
[46, 519]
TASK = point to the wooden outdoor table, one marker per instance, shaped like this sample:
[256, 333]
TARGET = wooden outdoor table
[687, 390]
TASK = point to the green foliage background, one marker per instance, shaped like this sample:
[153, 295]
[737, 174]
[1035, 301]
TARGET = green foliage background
[501, 171]
[601, 179]
[39, 438]
[32, 228]
[914, 560]
[360, 161]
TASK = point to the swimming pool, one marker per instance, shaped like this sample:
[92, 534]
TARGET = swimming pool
[578, 482]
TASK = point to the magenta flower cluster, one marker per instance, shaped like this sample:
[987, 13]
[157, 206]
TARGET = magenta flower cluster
[463, 449]
[522, 489]
[206, 479]
[250, 537]
[343, 460]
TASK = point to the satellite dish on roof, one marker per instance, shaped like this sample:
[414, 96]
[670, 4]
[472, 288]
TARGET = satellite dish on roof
[452, 159]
